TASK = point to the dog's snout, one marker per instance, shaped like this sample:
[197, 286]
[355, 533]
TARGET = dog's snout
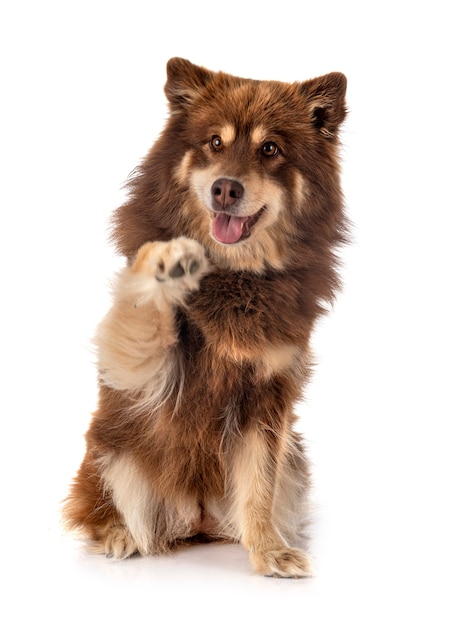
[226, 192]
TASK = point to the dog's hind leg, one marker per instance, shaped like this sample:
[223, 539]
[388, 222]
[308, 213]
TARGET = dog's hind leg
[113, 505]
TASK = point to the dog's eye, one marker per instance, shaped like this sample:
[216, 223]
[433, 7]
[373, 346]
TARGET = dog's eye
[216, 143]
[269, 149]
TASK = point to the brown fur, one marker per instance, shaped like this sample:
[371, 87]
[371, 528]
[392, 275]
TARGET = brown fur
[205, 351]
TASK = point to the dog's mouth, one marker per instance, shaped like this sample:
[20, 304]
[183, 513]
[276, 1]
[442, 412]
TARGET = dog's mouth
[231, 229]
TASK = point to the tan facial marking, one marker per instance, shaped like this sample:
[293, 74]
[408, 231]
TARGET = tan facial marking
[258, 135]
[228, 134]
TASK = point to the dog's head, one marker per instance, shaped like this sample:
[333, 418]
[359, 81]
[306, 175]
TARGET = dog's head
[255, 157]
[247, 167]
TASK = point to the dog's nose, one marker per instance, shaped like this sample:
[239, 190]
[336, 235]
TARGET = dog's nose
[226, 192]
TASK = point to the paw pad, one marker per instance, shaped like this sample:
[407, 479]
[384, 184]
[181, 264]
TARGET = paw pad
[179, 263]
[191, 266]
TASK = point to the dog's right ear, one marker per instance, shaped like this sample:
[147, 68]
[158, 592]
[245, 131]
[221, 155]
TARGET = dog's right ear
[184, 82]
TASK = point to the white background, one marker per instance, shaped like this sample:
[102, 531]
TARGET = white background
[81, 102]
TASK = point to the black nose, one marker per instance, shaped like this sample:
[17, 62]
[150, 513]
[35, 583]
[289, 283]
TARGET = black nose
[226, 192]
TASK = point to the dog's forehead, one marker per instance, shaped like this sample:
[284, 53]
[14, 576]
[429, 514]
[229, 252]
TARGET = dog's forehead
[255, 107]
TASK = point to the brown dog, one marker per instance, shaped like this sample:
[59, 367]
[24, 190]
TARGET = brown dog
[230, 233]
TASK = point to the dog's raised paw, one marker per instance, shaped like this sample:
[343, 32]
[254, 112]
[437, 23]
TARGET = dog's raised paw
[177, 265]
[283, 563]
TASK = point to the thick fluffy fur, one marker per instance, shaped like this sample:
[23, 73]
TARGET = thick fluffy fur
[230, 232]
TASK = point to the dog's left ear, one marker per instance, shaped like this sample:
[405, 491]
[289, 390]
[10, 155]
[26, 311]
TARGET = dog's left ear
[325, 102]
[184, 81]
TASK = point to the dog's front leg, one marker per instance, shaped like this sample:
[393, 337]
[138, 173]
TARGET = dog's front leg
[257, 469]
[137, 339]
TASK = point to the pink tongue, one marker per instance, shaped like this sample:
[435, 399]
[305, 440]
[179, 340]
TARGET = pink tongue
[226, 228]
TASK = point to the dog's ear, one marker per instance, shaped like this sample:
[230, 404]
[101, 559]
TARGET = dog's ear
[325, 102]
[184, 80]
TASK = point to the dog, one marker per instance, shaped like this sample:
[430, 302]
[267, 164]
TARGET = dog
[230, 233]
